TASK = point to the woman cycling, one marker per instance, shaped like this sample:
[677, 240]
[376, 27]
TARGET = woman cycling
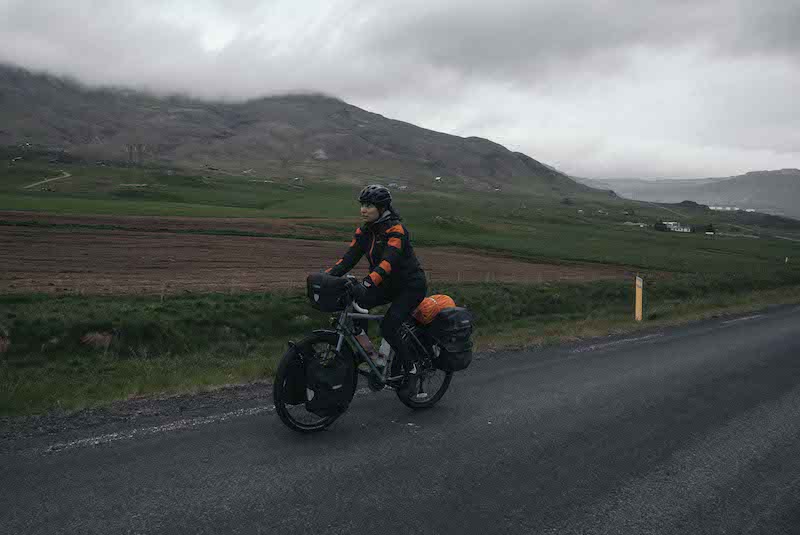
[395, 275]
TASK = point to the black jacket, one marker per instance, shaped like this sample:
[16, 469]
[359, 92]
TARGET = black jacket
[391, 257]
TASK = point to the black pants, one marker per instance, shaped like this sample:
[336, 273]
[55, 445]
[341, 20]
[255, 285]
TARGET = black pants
[404, 301]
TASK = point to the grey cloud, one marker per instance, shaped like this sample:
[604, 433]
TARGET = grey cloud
[529, 39]
[687, 84]
[111, 44]
[512, 37]
[365, 49]
[769, 27]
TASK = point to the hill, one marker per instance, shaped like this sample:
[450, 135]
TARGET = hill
[775, 192]
[283, 136]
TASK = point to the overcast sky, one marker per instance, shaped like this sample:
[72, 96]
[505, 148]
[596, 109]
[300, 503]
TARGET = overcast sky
[626, 88]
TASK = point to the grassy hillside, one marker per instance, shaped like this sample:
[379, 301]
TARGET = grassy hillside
[579, 228]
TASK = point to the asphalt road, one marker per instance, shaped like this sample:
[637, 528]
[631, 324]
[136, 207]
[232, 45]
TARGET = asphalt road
[687, 430]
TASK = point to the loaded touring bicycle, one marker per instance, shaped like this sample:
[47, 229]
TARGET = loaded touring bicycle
[317, 377]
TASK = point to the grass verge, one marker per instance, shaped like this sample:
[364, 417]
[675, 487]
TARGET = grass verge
[72, 352]
[530, 333]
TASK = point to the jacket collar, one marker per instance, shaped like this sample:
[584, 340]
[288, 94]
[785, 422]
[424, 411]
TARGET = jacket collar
[388, 215]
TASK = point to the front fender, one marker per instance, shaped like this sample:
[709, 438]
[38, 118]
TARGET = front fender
[330, 332]
[325, 331]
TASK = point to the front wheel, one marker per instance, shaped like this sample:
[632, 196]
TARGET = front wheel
[290, 408]
[426, 390]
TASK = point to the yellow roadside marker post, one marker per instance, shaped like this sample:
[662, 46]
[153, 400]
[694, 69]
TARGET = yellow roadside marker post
[639, 284]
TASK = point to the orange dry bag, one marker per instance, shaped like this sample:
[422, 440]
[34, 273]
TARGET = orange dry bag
[430, 306]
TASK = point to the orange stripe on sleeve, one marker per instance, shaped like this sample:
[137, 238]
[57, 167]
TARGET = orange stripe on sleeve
[396, 228]
[376, 279]
[386, 266]
[352, 243]
[397, 243]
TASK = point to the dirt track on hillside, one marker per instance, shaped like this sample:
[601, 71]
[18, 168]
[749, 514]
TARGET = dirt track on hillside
[96, 261]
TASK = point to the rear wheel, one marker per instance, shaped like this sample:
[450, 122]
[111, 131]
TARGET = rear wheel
[295, 415]
[426, 389]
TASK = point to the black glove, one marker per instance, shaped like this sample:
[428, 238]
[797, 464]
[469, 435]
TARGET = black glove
[358, 291]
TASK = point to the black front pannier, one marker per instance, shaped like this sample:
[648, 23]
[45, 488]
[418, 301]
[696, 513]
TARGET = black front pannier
[451, 329]
[294, 392]
[329, 382]
[326, 292]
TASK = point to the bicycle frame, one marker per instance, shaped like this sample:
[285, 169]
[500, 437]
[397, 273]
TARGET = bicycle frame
[345, 329]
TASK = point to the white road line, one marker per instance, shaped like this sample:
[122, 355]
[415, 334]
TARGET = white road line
[188, 423]
[616, 342]
[746, 318]
[147, 431]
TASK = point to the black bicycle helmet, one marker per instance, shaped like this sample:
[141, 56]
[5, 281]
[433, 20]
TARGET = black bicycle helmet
[375, 194]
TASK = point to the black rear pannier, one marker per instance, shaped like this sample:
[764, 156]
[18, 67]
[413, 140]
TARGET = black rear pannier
[326, 292]
[451, 329]
[329, 382]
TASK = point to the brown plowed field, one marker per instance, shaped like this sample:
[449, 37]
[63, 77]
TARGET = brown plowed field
[307, 227]
[154, 261]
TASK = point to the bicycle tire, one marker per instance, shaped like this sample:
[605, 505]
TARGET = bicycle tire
[280, 382]
[404, 394]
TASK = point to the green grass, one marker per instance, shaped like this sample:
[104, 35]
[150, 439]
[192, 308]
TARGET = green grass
[141, 191]
[90, 380]
[178, 344]
[537, 332]
[534, 227]
[186, 343]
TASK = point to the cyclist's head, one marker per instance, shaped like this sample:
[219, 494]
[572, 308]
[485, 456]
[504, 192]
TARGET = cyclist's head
[376, 195]
[374, 200]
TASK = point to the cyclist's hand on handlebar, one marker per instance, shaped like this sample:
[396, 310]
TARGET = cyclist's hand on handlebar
[357, 290]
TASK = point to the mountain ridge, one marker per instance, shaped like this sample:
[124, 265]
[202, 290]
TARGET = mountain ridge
[288, 135]
[775, 192]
